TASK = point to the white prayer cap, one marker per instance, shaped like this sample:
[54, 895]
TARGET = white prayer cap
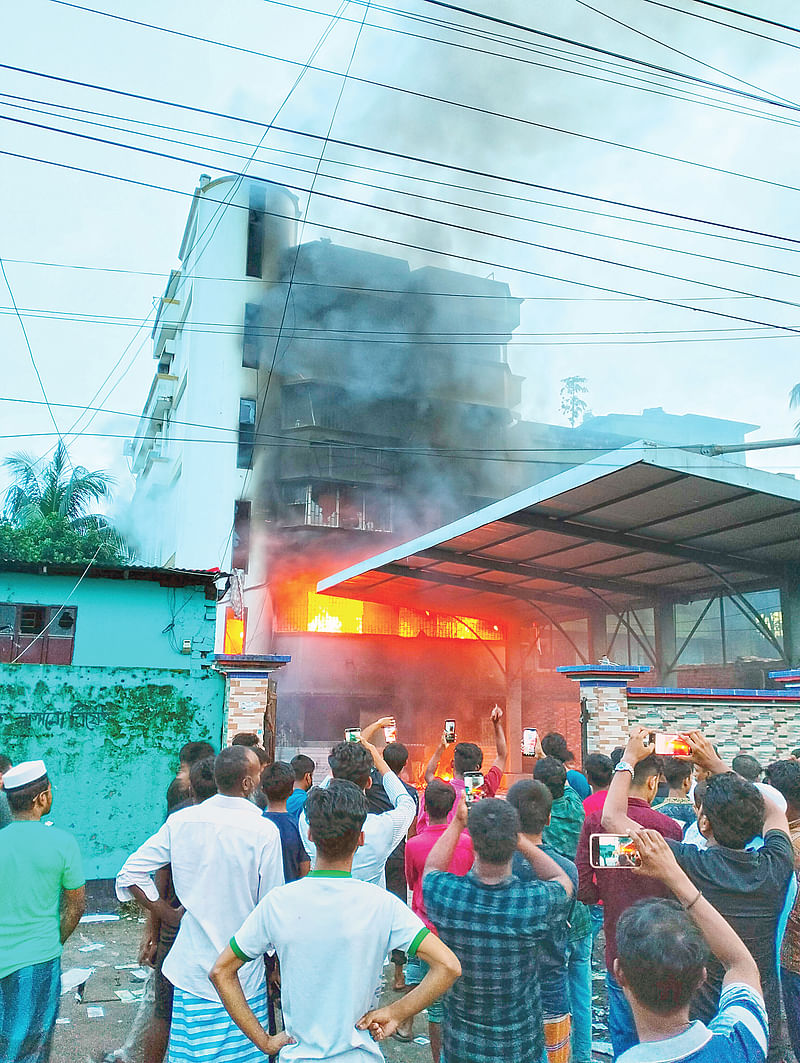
[24, 774]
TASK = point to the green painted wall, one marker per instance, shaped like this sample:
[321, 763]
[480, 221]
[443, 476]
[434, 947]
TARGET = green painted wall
[110, 738]
[121, 623]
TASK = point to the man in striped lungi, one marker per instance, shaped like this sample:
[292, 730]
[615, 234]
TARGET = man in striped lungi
[225, 857]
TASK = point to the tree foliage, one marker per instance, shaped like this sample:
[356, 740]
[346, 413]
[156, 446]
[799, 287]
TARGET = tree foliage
[48, 513]
[573, 405]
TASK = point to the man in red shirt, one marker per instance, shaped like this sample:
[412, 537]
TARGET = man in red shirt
[598, 769]
[440, 800]
[618, 889]
[469, 757]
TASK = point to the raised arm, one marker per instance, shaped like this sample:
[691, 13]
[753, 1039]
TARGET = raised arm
[501, 760]
[433, 763]
[615, 810]
[659, 862]
[401, 816]
[545, 867]
[371, 728]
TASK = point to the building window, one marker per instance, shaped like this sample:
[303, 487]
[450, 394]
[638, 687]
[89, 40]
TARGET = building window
[240, 557]
[37, 634]
[247, 433]
[235, 632]
[251, 336]
[255, 232]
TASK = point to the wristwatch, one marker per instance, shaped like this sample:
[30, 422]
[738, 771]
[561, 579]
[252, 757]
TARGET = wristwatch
[624, 766]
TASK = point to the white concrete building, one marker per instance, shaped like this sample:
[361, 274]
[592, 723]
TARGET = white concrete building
[192, 441]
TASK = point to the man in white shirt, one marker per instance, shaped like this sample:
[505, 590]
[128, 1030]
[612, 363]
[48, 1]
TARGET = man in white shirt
[225, 857]
[331, 933]
[383, 832]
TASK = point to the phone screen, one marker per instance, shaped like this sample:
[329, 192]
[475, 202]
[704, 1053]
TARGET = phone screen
[669, 745]
[390, 732]
[529, 736]
[613, 851]
[450, 730]
[473, 782]
[352, 734]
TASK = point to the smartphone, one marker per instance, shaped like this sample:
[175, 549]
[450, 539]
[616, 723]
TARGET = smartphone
[390, 733]
[669, 745]
[449, 730]
[352, 734]
[613, 850]
[529, 739]
[473, 782]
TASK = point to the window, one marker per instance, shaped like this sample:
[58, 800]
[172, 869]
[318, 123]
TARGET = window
[247, 433]
[255, 232]
[251, 336]
[240, 557]
[37, 634]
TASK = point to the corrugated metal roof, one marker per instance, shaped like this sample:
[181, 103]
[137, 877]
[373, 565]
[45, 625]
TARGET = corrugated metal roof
[172, 577]
[643, 523]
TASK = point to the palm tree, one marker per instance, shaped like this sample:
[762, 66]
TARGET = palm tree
[794, 401]
[59, 491]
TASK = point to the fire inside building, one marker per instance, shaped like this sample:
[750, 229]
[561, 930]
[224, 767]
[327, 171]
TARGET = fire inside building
[315, 405]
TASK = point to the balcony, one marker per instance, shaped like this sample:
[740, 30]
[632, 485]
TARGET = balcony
[336, 506]
[145, 447]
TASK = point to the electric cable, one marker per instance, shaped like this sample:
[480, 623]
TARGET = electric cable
[741, 14]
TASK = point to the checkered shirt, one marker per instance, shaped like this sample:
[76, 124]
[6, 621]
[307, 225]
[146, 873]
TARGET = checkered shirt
[493, 1012]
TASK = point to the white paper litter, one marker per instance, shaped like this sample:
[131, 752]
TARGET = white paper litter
[94, 947]
[74, 977]
[98, 918]
[94, 1011]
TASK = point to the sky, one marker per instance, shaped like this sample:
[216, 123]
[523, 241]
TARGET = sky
[554, 136]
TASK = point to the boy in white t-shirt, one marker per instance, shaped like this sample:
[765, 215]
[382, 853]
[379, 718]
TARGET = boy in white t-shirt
[332, 933]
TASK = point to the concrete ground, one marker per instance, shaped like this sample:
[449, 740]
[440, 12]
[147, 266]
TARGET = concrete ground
[96, 1019]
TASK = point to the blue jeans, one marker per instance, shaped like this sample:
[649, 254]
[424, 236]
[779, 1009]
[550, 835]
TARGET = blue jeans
[579, 984]
[790, 985]
[621, 1027]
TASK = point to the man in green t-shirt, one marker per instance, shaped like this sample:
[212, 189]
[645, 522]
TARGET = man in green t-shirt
[41, 903]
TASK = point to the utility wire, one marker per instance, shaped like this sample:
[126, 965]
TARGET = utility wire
[747, 14]
[727, 25]
[405, 176]
[473, 259]
[391, 154]
[649, 245]
[417, 217]
[431, 98]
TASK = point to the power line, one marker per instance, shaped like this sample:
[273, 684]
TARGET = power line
[433, 221]
[750, 15]
[430, 98]
[416, 178]
[394, 154]
[473, 259]
[727, 25]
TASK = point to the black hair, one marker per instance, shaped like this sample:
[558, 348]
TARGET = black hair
[5, 763]
[796, 752]
[551, 771]
[231, 766]
[555, 745]
[439, 799]
[494, 828]
[734, 808]
[277, 780]
[467, 757]
[699, 793]
[177, 792]
[598, 769]
[194, 751]
[246, 738]
[676, 771]
[533, 802]
[261, 753]
[662, 954]
[302, 766]
[616, 754]
[748, 767]
[21, 799]
[201, 779]
[351, 761]
[336, 815]
[646, 769]
[396, 756]
[784, 775]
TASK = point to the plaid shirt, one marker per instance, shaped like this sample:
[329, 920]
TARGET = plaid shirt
[493, 1012]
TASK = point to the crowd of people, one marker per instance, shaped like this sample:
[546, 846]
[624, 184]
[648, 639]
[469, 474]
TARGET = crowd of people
[272, 905]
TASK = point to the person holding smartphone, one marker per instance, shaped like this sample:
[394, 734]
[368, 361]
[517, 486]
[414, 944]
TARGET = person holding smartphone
[468, 757]
[662, 956]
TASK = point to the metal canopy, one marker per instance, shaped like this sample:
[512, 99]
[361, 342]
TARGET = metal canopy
[628, 529]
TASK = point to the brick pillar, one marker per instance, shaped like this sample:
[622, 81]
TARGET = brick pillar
[249, 701]
[603, 689]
